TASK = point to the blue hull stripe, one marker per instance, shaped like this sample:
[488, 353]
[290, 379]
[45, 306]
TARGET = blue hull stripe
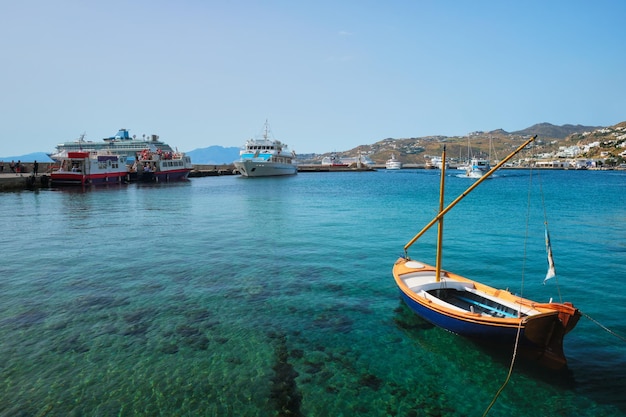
[463, 327]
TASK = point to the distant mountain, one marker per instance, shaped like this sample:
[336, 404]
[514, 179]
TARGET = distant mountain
[213, 155]
[547, 130]
[35, 156]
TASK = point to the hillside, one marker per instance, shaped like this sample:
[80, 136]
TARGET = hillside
[495, 143]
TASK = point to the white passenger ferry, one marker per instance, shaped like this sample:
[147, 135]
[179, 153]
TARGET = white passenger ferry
[265, 157]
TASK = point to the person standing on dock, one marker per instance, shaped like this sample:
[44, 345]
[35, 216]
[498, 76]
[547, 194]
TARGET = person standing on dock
[12, 166]
[35, 168]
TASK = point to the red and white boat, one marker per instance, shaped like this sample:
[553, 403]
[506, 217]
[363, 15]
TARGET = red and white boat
[86, 168]
[159, 166]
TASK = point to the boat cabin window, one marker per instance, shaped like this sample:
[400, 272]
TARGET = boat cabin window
[261, 147]
[77, 167]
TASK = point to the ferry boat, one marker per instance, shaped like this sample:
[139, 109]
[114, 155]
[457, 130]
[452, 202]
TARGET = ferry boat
[393, 163]
[146, 159]
[265, 157]
[159, 166]
[120, 144]
[86, 168]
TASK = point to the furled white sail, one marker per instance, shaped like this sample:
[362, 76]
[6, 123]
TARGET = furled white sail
[551, 271]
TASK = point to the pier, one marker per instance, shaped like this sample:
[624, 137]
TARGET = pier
[25, 181]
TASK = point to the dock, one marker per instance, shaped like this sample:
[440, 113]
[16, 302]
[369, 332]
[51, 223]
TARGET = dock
[333, 168]
[26, 181]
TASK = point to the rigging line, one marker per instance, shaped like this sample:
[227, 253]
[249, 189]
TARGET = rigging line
[508, 376]
[525, 255]
[545, 222]
[597, 323]
[519, 327]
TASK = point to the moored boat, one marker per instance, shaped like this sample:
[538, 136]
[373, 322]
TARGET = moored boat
[145, 159]
[478, 311]
[85, 168]
[393, 163]
[159, 166]
[265, 157]
[477, 167]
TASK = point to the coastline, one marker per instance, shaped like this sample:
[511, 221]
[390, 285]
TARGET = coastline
[10, 181]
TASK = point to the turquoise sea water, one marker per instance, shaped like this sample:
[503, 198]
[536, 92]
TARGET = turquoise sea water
[225, 296]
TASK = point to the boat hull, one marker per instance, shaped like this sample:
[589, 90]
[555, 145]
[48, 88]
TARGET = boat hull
[177, 175]
[70, 178]
[474, 173]
[160, 176]
[251, 168]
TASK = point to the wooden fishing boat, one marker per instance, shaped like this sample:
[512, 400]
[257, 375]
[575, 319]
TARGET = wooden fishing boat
[475, 310]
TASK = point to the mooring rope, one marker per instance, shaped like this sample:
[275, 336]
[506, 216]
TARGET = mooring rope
[508, 376]
[597, 323]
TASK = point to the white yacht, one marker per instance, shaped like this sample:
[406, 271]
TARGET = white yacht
[265, 157]
[393, 163]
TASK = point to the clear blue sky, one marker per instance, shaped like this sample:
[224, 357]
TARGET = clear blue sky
[328, 75]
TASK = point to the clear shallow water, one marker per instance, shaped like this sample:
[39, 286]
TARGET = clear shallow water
[226, 296]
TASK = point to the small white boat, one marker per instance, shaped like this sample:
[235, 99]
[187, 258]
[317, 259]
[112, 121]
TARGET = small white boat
[265, 157]
[477, 168]
[393, 163]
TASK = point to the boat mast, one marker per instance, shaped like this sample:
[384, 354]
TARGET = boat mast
[440, 225]
[267, 130]
[466, 192]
